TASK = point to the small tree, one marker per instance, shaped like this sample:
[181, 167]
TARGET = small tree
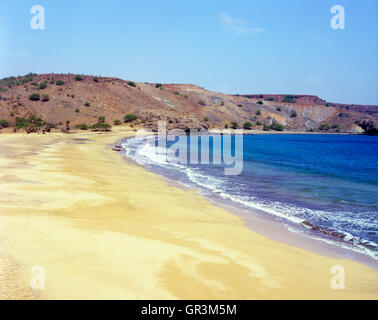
[59, 82]
[247, 125]
[45, 97]
[158, 85]
[101, 119]
[87, 103]
[258, 112]
[293, 114]
[117, 122]
[129, 118]
[278, 109]
[95, 79]
[234, 125]
[78, 77]
[77, 110]
[260, 102]
[226, 126]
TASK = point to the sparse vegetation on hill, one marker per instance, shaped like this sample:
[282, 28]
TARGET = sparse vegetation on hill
[20, 98]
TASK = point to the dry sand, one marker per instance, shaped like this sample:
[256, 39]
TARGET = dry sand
[103, 228]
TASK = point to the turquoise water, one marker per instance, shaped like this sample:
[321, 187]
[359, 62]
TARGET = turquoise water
[324, 185]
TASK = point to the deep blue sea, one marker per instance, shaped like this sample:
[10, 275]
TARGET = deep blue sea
[323, 185]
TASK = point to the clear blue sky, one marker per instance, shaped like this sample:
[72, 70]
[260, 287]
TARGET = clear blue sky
[240, 46]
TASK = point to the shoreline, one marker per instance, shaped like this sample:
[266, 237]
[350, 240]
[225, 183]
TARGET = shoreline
[260, 222]
[104, 228]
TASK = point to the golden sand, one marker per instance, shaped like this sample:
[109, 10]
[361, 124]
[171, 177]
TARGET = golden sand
[103, 228]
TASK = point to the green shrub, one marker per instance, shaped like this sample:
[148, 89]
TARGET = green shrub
[335, 126]
[234, 125]
[4, 123]
[176, 93]
[117, 122]
[158, 85]
[131, 83]
[260, 102]
[278, 109]
[226, 126]
[34, 97]
[101, 126]
[59, 82]
[87, 103]
[293, 114]
[240, 105]
[78, 77]
[101, 119]
[77, 110]
[82, 126]
[202, 102]
[72, 96]
[95, 79]
[26, 122]
[45, 97]
[269, 99]
[205, 119]
[129, 118]
[324, 127]
[247, 125]
[289, 99]
[42, 85]
[258, 112]
[277, 126]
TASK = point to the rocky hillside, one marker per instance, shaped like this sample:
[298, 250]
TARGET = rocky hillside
[58, 98]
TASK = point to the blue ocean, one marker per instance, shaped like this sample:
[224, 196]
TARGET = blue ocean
[323, 185]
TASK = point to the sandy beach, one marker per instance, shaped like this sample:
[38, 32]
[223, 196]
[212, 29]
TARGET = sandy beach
[104, 228]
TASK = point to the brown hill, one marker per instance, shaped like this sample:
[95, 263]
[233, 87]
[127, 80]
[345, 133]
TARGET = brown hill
[85, 98]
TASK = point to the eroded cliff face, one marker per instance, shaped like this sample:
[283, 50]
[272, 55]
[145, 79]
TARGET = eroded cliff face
[183, 106]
